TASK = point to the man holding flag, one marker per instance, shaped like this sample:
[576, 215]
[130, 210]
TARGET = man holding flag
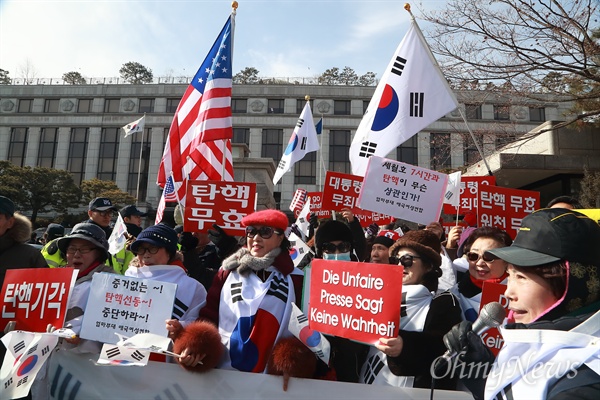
[412, 94]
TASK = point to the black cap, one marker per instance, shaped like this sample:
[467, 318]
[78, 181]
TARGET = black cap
[128, 211]
[7, 207]
[101, 204]
[553, 234]
[55, 230]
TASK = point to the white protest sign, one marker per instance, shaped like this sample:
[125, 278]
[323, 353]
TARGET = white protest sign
[402, 190]
[126, 306]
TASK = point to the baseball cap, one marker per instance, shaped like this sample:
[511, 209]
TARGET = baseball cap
[7, 207]
[55, 230]
[130, 210]
[553, 234]
[101, 204]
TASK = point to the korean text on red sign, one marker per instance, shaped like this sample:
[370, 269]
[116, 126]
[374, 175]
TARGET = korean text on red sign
[505, 208]
[218, 202]
[469, 189]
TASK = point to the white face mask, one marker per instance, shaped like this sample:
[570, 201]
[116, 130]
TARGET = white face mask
[338, 256]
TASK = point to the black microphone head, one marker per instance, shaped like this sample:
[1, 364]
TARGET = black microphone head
[491, 316]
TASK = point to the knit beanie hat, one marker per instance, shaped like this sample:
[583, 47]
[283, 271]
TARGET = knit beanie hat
[158, 235]
[424, 242]
[273, 218]
[332, 230]
[386, 238]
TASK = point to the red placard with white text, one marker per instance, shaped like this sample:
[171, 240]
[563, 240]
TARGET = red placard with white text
[36, 297]
[355, 300]
[316, 205]
[218, 202]
[505, 208]
[469, 187]
[341, 191]
[490, 293]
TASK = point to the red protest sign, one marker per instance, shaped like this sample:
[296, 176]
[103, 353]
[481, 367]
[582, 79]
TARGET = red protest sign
[358, 301]
[490, 293]
[469, 188]
[218, 202]
[36, 297]
[505, 208]
[341, 191]
[316, 205]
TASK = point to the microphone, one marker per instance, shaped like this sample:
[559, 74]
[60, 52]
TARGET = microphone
[491, 316]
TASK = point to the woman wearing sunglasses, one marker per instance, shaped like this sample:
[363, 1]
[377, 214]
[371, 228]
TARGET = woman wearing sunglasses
[425, 318]
[483, 267]
[249, 305]
[157, 258]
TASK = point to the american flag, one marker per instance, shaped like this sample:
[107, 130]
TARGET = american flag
[169, 194]
[199, 142]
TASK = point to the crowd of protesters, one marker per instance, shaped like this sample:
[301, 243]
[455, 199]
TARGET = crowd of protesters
[234, 295]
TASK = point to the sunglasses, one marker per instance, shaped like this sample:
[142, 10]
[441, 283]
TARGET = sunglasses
[407, 260]
[265, 232]
[487, 257]
[331, 248]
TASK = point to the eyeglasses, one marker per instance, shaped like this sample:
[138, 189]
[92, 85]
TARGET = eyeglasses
[486, 256]
[107, 213]
[265, 232]
[330, 248]
[143, 250]
[407, 260]
[81, 250]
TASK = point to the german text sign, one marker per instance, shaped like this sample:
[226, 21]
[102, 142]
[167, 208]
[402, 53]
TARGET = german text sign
[505, 208]
[493, 292]
[36, 297]
[358, 301]
[403, 190]
[126, 305]
[218, 202]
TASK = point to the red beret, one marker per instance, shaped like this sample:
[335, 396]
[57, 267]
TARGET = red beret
[272, 218]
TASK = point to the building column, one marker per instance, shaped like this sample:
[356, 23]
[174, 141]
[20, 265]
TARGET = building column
[62, 148]
[93, 153]
[33, 145]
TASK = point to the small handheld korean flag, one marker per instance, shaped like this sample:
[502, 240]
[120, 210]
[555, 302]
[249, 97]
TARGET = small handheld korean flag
[135, 126]
[118, 237]
[452, 195]
[314, 340]
[303, 140]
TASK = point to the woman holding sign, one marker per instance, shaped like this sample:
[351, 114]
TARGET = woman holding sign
[406, 359]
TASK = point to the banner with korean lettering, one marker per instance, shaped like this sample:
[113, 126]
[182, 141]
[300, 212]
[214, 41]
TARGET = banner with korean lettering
[505, 208]
[342, 191]
[120, 305]
[493, 292]
[36, 297]
[403, 190]
[316, 205]
[355, 300]
[218, 202]
[469, 187]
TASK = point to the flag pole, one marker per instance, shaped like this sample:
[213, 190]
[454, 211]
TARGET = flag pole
[234, 6]
[321, 157]
[137, 190]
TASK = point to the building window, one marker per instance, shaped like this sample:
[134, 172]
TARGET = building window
[25, 105]
[134, 165]
[275, 106]
[305, 172]
[502, 113]
[146, 106]
[241, 135]
[272, 144]
[407, 151]
[109, 153]
[77, 154]
[239, 106]
[51, 106]
[165, 137]
[18, 146]
[339, 145]
[439, 151]
[47, 149]
[112, 105]
[505, 138]
[172, 105]
[471, 154]
[537, 114]
[300, 103]
[473, 111]
[365, 105]
[84, 106]
[341, 107]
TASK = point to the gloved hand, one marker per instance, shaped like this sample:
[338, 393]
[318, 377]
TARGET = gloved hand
[187, 241]
[313, 221]
[371, 230]
[225, 244]
[467, 344]
[296, 231]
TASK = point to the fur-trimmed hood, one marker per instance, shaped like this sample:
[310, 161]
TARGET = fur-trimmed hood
[21, 229]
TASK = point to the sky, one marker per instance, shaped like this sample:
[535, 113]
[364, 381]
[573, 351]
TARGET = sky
[280, 38]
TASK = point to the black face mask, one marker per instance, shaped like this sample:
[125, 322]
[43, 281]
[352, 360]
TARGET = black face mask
[187, 241]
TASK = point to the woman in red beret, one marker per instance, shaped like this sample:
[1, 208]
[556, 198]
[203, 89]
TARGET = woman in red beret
[250, 303]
